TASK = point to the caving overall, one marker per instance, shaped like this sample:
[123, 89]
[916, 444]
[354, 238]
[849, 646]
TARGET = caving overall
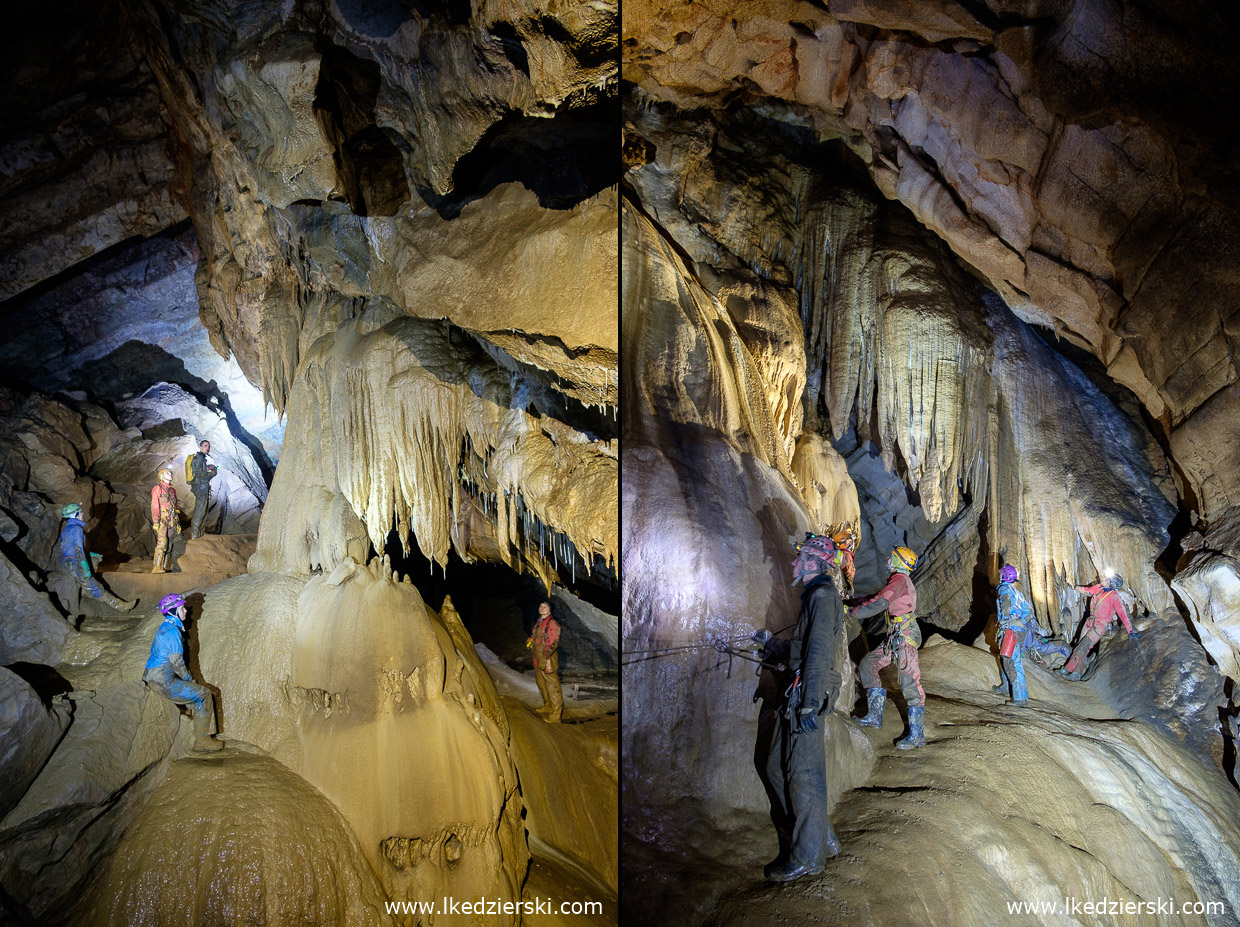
[200, 485]
[797, 765]
[1105, 605]
[166, 522]
[167, 674]
[1016, 614]
[546, 646]
[74, 572]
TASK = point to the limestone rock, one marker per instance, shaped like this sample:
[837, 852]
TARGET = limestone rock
[569, 787]
[451, 456]
[226, 553]
[113, 754]
[31, 629]
[29, 732]
[327, 674]
[1068, 163]
[86, 153]
[1109, 806]
[124, 322]
[314, 144]
[261, 843]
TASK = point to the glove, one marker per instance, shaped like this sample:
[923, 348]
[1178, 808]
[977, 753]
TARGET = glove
[807, 718]
[762, 636]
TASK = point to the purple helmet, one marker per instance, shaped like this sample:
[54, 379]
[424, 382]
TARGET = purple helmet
[1009, 574]
[818, 544]
[170, 603]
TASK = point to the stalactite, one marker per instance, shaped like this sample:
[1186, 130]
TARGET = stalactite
[402, 422]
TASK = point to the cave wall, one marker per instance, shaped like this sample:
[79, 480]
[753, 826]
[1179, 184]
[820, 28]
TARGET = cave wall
[301, 126]
[402, 237]
[85, 147]
[970, 436]
[1064, 150]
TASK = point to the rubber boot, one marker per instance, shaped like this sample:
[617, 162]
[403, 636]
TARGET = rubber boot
[1000, 689]
[833, 841]
[878, 701]
[205, 729]
[916, 729]
[116, 602]
[789, 870]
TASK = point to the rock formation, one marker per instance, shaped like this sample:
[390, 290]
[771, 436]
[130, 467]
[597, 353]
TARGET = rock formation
[1023, 361]
[392, 313]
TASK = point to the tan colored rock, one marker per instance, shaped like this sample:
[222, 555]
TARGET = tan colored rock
[1040, 170]
[1036, 805]
[934, 22]
[408, 426]
[569, 787]
[258, 841]
[332, 676]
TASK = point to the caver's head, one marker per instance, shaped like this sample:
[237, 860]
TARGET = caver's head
[174, 604]
[165, 476]
[544, 608]
[815, 555]
[902, 560]
[72, 510]
[1009, 574]
[204, 446]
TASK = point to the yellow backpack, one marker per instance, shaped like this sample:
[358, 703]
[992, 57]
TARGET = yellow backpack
[189, 469]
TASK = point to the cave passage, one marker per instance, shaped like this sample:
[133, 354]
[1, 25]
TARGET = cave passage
[499, 606]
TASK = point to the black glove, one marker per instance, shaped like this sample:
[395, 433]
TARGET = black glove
[807, 718]
[762, 636]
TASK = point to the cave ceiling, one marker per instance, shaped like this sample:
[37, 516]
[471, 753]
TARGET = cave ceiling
[1073, 153]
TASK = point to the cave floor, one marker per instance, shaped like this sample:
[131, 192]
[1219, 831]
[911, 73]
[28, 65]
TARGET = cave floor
[1002, 804]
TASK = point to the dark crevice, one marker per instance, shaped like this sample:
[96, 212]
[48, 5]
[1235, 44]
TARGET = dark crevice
[368, 157]
[565, 159]
[45, 680]
[499, 606]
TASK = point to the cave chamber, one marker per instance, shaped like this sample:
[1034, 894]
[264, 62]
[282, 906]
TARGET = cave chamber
[958, 274]
[368, 251]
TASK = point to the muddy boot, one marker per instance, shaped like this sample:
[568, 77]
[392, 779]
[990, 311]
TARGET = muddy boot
[789, 870]
[1000, 689]
[205, 729]
[116, 602]
[916, 729]
[832, 841]
[878, 701]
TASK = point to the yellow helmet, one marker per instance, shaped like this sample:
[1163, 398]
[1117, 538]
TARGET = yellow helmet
[903, 557]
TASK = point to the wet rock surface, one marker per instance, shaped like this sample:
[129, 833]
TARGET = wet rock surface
[401, 233]
[248, 834]
[1058, 800]
[971, 425]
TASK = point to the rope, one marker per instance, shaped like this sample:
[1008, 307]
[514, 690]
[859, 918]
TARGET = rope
[720, 645]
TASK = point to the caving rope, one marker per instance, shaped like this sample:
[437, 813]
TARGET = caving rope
[732, 648]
